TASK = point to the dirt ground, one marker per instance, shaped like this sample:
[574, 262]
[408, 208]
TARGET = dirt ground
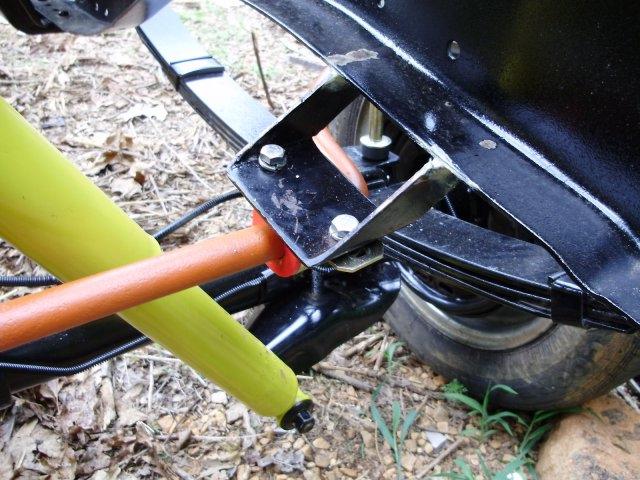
[105, 103]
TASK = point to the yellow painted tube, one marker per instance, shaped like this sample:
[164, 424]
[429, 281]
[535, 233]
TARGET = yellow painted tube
[55, 215]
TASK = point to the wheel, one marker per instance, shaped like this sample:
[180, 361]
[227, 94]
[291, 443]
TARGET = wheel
[481, 343]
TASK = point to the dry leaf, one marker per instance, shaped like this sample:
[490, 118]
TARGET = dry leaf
[126, 187]
[107, 407]
[142, 110]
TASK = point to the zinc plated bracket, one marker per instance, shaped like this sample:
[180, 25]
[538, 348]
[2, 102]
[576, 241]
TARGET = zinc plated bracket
[300, 199]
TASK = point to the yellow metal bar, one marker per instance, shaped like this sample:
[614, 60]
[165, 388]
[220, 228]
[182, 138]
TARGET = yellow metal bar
[52, 213]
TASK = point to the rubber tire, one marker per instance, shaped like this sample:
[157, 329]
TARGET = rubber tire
[564, 367]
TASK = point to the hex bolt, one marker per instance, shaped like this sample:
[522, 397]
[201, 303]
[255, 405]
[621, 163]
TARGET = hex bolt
[342, 225]
[272, 157]
[303, 421]
[375, 145]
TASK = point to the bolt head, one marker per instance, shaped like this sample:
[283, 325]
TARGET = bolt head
[342, 225]
[304, 421]
[272, 157]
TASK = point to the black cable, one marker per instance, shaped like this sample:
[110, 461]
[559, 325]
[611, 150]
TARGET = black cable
[28, 280]
[73, 369]
[46, 280]
[196, 212]
[324, 269]
[120, 349]
[254, 282]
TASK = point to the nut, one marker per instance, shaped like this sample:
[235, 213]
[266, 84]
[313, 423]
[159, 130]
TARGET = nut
[272, 157]
[342, 225]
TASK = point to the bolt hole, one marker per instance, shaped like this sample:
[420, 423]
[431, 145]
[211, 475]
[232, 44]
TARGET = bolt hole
[453, 50]
[63, 13]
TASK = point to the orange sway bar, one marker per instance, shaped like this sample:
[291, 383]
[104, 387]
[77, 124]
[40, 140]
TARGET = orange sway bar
[78, 302]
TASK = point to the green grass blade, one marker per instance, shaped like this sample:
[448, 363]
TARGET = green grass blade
[513, 466]
[483, 467]
[504, 425]
[396, 416]
[534, 438]
[382, 425]
[465, 468]
[406, 425]
[504, 388]
[506, 414]
[472, 403]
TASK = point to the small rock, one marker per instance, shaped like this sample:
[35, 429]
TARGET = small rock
[218, 419]
[515, 476]
[387, 460]
[390, 474]
[410, 445]
[332, 475]
[322, 460]
[367, 438]
[311, 474]
[439, 381]
[349, 472]
[440, 414]
[321, 443]
[243, 472]
[583, 446]
[299, 443]
[408, 462]
[219, 397]
[165, 423]
[307, 452]
[436, 439]
[442, 427]
[235, 412]
[494, 443]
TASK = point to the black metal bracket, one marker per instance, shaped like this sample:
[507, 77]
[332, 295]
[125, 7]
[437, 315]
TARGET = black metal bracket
[96, 16]
[566, 300]
[300, 199]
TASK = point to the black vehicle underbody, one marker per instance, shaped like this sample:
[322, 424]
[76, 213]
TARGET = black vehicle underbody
[533, 106]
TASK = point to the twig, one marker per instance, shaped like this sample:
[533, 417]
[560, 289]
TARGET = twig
[256, 51]
[440, 458]
[181, 473]
[354, 382]
[157, 192]
[383, 346]
[179, 158]
[150, 390]
[359, 347]
[155, 358]
[394, 382]
[210, 438]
